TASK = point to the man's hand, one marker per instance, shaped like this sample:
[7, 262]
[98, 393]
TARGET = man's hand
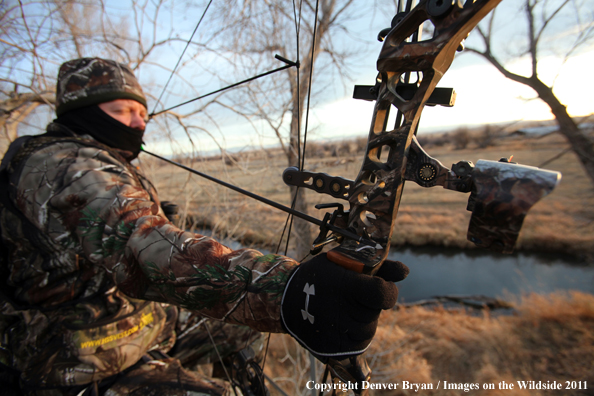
[334, 312]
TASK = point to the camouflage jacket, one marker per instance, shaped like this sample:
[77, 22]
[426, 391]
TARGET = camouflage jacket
[75, 307]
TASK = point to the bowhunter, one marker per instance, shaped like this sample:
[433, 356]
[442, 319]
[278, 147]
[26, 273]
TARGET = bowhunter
[96, 282]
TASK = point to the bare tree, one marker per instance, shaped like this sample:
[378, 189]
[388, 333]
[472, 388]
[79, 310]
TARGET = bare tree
[36, 36]
[258, 30]
[541, 16]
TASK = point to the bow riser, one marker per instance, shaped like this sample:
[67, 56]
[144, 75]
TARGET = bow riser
[375, 196]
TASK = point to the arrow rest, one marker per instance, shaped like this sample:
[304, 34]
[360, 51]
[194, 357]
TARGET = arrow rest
[338, 215]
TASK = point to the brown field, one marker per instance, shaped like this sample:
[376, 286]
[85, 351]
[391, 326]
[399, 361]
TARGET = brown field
[561, 222]
[548, 338]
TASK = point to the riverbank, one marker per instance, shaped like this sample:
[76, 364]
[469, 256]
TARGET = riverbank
[547, 339]
[562, 222]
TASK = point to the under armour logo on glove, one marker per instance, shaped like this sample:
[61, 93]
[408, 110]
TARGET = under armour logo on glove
[309, 291]
[346, 306]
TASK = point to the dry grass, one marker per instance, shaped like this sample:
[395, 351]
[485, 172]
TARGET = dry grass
[561, 222]
[548, 338]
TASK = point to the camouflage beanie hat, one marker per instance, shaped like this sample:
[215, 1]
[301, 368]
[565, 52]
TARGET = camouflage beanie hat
[88, 81]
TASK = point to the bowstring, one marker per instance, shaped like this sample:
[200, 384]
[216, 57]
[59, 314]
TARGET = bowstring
[288, 65]
[302, 165]
[289, 220]
[313, 47]
[300, 152]
[181, 56]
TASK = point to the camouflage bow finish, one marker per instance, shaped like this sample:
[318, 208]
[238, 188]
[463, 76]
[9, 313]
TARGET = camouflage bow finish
[375, 196]
[501, 192]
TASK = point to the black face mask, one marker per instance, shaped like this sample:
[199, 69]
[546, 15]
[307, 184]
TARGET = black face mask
[93, 121]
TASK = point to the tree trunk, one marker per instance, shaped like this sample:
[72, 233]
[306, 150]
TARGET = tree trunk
[15, 109]
[537, 21]
[580, 143]
[301, 228]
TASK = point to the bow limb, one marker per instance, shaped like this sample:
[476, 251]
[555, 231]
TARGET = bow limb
[375, 196]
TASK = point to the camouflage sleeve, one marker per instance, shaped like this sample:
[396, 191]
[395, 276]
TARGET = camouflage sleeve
[94, 204]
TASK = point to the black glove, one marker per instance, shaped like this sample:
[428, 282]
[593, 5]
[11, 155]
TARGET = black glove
[332, 311]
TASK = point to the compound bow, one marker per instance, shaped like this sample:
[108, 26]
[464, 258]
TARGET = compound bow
[501, 193]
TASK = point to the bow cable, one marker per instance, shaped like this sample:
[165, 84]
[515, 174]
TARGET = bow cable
[301, 153]
[288, 222]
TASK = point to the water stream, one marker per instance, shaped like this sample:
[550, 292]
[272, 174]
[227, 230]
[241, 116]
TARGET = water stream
[438, 272]
[435, 271]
